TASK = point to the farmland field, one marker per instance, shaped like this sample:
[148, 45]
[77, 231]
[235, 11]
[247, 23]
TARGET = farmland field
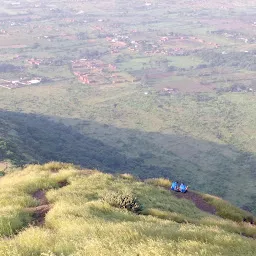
[169, 87]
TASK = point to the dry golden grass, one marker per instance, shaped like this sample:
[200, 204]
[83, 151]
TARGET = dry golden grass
[81, 223]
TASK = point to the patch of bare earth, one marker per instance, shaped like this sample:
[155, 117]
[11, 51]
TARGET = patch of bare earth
[197, 200]
[63, 183]
[39, 212]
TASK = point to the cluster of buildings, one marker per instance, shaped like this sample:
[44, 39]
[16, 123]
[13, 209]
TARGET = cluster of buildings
[170, 90]
[96, 71]
[171, 45]
[235, 36]
[22, 82]
[34, 62]
[179, 39]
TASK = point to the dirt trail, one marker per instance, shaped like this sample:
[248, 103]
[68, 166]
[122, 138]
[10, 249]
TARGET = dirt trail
[40, 196]
[39, 212]
[198, 201]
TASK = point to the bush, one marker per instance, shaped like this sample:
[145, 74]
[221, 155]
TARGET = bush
[161, 182]
[123, 201]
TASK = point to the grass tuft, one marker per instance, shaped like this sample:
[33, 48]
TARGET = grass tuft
[127, 176]
[161, 182]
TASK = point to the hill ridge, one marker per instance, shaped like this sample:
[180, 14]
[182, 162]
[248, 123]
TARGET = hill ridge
[85, 212]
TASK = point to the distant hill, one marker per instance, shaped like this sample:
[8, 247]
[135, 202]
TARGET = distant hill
[60, 209]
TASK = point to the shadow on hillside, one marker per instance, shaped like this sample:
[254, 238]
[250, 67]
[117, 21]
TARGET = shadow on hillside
[210, 167]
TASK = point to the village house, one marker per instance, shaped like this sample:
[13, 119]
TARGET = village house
[34, 62]
[22, 82]
[96, 72]
[170, 90]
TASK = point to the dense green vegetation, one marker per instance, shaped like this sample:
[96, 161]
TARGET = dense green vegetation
[8, 151]
[239, 60]
[31, 138]
[81, 221]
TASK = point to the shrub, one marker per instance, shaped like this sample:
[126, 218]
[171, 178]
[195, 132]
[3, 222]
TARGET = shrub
[161, 182]
[123, 201]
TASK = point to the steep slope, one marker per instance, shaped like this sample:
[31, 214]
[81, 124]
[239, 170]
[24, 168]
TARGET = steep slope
[214, 168]
[28, 138]
[84, 217]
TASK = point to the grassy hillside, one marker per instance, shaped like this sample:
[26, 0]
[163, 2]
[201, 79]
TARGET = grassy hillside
[213, 166]
[58, 209]
[155, 88]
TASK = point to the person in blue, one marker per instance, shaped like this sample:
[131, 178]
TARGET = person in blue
[175, 186]
[183, 188]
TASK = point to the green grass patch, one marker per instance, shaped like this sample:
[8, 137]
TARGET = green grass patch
[228, 211]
